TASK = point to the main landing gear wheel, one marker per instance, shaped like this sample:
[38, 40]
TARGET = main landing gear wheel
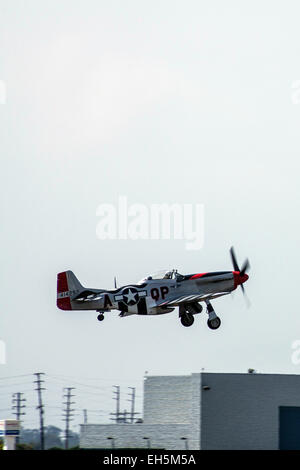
[187, 319]
[100, 317]
[214, 324]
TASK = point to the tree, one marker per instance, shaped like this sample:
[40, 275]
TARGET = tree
[24, 447]
[53, 438]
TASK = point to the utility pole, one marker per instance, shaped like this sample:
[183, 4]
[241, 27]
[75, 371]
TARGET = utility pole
[40, 406]
[132, 400]
[68, 416]
[117, 398]
[17, 398]
[85, 417]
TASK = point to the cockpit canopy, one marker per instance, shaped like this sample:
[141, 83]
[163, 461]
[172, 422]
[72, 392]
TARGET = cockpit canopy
[162, 274]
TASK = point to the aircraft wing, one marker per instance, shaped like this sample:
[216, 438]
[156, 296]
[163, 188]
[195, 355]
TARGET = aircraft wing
[186, 299]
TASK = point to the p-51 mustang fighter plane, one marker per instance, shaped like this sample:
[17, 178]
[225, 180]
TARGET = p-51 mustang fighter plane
[155, 295]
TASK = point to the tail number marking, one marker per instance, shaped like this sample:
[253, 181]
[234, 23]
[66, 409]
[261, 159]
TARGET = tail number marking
[157, 293]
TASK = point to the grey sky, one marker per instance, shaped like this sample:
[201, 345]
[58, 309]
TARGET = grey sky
[163, 102]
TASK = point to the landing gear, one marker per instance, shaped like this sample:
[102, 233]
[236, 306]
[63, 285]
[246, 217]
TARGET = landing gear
[100, 316]
[213, 321]
[187, 319]
[194, 308]
[187, 312]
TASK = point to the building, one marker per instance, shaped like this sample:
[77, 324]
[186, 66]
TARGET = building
[209, 411]
[10, 430]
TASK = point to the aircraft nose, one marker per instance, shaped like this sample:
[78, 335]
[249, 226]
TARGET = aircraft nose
[238, 278]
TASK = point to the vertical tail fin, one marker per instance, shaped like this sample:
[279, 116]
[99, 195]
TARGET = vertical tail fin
[67, 287]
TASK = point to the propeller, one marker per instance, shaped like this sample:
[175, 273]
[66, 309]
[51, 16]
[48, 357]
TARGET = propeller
[241, 273]
[233, 258]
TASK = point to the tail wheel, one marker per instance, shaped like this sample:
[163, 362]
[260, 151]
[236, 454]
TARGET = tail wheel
[100, 317]
[214, 324]
[187, 319]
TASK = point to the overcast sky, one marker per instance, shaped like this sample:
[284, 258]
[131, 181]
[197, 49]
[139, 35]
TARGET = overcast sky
[165, 101]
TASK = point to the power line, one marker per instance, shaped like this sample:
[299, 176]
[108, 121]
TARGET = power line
[69, 413]
[95, 411]
[86, 394]
[15, 376]
[103, 387]
[15, 385]
[68, 377]
[40, 406]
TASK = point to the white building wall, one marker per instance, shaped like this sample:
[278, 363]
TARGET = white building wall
[131, 436]
[167, 399]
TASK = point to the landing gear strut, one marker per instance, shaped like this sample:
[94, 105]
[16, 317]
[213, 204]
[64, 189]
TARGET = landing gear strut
[213, 321]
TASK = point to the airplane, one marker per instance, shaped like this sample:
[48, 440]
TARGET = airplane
[156, 294]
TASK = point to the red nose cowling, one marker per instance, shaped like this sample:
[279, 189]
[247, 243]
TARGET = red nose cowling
[238, 278]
